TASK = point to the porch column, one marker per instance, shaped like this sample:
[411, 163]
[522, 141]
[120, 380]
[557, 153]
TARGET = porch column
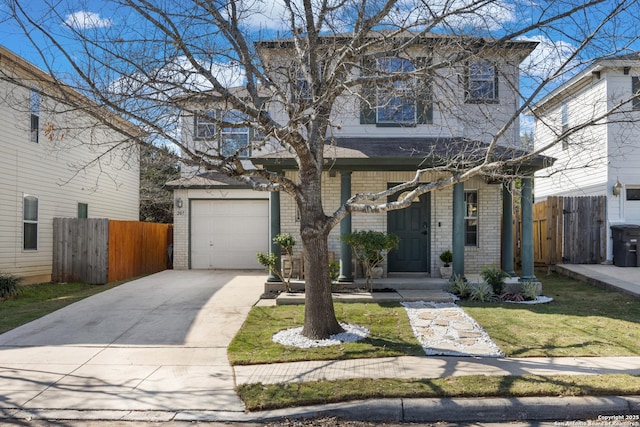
[274, 230]
[346, 270]
[507, 229]
[458, 229]
[527, 231]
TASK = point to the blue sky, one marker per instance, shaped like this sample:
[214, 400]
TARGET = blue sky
[555, 44]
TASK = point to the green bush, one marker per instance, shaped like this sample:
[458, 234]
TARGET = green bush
[370, 248]
[446, 257]
[460, 287]
[494, 277]
[9, 286]
[482, 293]
[530, 291]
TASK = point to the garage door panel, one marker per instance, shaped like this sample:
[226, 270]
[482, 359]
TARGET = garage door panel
[228, 233]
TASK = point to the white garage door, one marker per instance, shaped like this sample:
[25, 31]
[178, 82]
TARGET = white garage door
[228, 233]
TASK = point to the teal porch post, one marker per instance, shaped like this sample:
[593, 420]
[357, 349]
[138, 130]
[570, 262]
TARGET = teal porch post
[458, 229]
[527, 231]
[274, 230]
[507, 229]
[346, 270]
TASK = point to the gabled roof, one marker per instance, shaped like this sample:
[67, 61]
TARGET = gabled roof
[586, 76]
[18, 70]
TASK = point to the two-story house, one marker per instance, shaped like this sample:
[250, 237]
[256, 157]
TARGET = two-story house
[594, 118]
[55, 161]
[379, 137]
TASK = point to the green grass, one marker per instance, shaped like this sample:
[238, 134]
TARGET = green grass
[391, 335]
[262, 396]
[583, 320]
[35, 301]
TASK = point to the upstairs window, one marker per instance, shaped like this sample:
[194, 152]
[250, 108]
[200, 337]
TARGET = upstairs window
[30, 223]
[564, 127]
[399, 101]
[34, 114]
[204, 125]
[635, 90]
[471, 218]
[481, 83]
[234, 138]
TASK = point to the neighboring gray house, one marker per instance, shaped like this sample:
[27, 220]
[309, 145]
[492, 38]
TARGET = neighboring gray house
[600, 159]
[45, 171]
[372, 149]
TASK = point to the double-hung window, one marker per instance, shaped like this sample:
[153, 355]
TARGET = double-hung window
[481, 83]
[29, 223]
[564, 126]
[471, 218]
[34, 114]
[226, 129]
[635, 92]
[204, 126]
[234, 139]
[396, 96]
[395, 100]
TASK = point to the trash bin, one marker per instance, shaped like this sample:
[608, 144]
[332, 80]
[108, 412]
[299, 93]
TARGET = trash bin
[625, 244]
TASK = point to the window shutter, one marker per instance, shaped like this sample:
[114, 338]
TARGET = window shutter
[368, 95]
[424, 101]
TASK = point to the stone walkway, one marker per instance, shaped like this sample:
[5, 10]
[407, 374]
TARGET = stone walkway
[444, 329]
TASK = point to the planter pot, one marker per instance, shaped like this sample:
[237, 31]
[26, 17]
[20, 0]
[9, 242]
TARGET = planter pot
[446, 272]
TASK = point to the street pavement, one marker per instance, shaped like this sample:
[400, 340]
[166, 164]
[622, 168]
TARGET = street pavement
[154, 350]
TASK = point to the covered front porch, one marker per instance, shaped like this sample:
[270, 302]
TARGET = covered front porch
[437, 221]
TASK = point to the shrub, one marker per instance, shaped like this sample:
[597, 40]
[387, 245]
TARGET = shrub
[270, 261]
[334, 270]
[446, 257]
[9, 286]
[482, 293]
[370, 248]
[460, 287]
[494, 277]
[530, 291]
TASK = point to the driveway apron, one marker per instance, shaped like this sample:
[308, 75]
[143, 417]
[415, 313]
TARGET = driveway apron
[153, 344]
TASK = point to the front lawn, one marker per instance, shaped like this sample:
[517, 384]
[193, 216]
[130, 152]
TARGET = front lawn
[391, 335]
[258, 397]
[583, 320]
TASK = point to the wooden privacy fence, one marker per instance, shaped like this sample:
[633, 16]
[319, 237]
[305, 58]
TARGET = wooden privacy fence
[98, 250]
[570, 230]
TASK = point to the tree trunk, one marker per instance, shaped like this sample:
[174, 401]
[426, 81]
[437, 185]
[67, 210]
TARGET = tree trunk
[319, 316]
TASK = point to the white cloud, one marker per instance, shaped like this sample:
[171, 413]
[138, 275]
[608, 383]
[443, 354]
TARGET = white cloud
[84, 20]
[547, 57]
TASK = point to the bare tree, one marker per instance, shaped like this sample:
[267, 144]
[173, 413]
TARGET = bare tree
[289, 70]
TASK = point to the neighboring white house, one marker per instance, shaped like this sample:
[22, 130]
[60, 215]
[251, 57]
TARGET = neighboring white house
[370, 149]
[603, 157]
[55, 161]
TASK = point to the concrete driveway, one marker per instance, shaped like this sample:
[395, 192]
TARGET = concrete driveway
[154, 344]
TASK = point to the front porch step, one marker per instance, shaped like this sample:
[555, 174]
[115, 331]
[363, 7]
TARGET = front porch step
[399, 295]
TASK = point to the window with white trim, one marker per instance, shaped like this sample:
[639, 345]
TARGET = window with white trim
[635, 90]
[471, 218]
[481, 83]
[565, 125]
[396, 103]
[29, 223]
[34, 114]
[204, 126]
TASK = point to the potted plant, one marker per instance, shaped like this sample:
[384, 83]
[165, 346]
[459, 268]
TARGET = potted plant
[269, 261]
[370, 249]
[447, 258]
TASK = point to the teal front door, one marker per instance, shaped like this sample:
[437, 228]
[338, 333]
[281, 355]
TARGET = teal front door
[412, 226]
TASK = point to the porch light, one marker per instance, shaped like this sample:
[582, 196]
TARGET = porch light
[617, 188]
[179, 203]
